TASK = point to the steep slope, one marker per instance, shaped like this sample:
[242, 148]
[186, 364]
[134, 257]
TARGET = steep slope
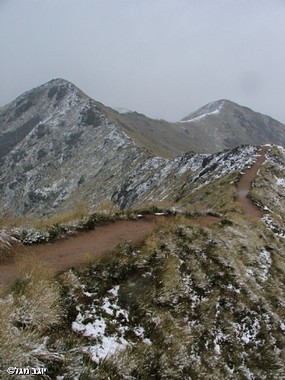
[162, 138]
[59, 148]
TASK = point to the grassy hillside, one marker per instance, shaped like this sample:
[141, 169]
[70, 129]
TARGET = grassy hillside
[197, 300]
[202, 298]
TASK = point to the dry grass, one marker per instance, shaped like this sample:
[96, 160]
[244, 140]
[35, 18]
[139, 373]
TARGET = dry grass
[219, 197]
[80, 211]
[27, 313]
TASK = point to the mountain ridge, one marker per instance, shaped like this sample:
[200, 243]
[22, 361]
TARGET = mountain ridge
[59, 147]
[218, 125]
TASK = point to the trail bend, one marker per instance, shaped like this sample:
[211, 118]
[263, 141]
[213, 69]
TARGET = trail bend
[244, 184]
[75, 250]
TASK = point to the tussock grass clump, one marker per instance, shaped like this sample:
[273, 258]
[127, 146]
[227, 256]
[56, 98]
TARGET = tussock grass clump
[29, 312]
[31, 230]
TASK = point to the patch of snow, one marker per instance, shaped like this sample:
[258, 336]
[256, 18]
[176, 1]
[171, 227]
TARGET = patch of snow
[265, 264]
[233, 288]
[107, 306]
[280, 182]
[249, 272]
[274, 227]
[114, 291]
[108, 347]
[247, 329]
[104, 344]
[219, 338]
[200, 117]
[209, 109]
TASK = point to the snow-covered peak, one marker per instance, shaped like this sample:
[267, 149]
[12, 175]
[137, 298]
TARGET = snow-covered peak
[212, 108]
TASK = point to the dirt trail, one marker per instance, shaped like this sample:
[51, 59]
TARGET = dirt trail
[64, 254]
[244, 185]
[72, 251]
[77, 249]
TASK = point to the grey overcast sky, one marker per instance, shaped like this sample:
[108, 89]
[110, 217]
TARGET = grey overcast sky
[163, 58]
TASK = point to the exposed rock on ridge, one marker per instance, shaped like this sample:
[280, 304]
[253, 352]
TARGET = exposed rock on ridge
[58, 147]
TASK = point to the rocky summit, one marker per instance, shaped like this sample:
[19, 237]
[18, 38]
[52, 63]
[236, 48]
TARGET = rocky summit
[58, 148]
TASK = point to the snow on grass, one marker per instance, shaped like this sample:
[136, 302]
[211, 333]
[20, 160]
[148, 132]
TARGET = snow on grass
[200, 117]
[248, 329]
[192, 163]
[220, 337]
[266, 262]
[280, 182]
[105, 323]
[108, 347]
[224, 163]
[262, 267]
[274, 227]
[122, 110]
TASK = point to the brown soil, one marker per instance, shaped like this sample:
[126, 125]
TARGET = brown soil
[66, 253]
[244, 185]
[78, 249]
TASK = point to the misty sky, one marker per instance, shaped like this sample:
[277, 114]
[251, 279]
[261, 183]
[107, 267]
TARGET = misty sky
[163, 58]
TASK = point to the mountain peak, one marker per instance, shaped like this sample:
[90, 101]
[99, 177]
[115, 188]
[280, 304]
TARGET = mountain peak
[58, 81]
[211, 108]
[214, 108]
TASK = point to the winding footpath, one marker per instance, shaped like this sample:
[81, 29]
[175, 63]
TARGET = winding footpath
[244, 184]
[75, 250]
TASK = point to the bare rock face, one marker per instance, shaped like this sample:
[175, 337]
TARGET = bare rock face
[58, 148]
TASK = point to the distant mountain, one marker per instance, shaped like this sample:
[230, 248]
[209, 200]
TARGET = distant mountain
[224, 124]
[58, 147]
[218, 125]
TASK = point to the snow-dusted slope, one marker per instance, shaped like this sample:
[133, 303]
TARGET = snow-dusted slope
[60, 145]
[225, 124]
[212, 108]
[59, 148]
